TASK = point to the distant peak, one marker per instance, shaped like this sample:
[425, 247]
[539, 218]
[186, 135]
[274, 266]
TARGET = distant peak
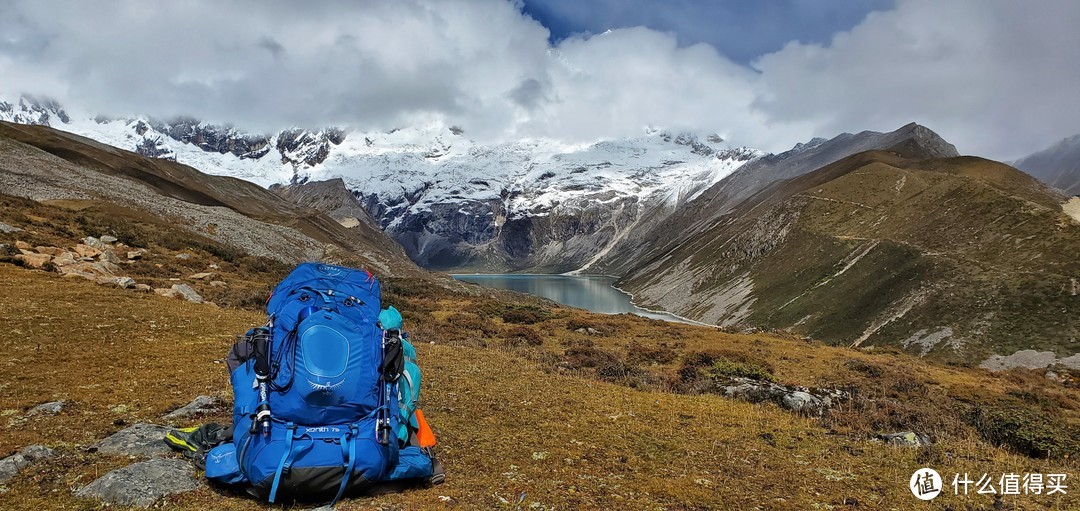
[919, 141]
[814, 142]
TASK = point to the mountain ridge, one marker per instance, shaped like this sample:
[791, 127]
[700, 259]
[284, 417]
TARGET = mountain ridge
[932, 255]
[452, 203]
[42, 163]
[1057, 165]
[717, 201]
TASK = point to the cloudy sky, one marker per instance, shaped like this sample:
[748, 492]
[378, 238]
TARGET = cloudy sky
[998, 78]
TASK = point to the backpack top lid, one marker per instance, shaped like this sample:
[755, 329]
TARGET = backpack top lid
[356, 283]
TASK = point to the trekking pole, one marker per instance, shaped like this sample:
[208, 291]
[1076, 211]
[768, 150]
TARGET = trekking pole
[389, 371]
[261, 339]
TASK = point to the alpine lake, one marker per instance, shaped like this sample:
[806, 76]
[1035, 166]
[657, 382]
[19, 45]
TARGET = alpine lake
[590, 292]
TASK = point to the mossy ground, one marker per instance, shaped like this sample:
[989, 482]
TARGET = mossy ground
[510, 427]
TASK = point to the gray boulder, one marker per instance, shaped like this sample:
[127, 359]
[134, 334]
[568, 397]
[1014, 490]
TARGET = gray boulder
[802, 402]
[201, 405]
[142, 484]
[7, 229]
[94, 242]
[13, 464]
[50, 408]
[108, 254]
[139, 440]
[906, 439]
[186, 292]
[108, 239]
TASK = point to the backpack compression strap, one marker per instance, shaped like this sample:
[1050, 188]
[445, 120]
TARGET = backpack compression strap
[349, 453]
[288, 457]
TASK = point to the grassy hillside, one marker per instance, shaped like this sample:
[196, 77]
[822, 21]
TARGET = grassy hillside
[46, 164]
[562, 440]
[956, 258]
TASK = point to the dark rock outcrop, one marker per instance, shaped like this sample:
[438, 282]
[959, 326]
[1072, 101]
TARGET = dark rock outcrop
[139, 440]
[12, 465]
[142, 484]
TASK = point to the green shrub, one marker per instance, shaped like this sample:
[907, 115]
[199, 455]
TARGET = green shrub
[523, 336]
[639, 354]
[726, 368]
[1025, 431]
[470, 324]
[526, 315]
[723, 364]
[582, 356]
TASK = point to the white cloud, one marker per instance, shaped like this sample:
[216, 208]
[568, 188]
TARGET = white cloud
[995, 77]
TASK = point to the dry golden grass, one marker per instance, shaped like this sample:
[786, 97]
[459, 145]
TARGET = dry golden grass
[507, 424]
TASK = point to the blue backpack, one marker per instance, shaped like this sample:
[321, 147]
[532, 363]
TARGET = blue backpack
[316, 411]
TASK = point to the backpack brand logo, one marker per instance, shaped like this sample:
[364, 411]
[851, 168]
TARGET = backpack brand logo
[324, 429]
[332, 271]
[325, 387]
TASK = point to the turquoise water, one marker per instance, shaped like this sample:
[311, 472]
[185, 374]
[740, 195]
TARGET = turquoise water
[590, 292]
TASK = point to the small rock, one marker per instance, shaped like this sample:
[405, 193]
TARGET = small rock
[91, 270]
[94, 242]
[34, 260]
[802, 402]
[201, 276]
[50, 408]
[907, 439]
[8, 229]
[13, 464]
[22, 245]
[143, 288]
[183, 256]
[217, 283]
[109, 255]
[64, 258]
[85, 250]
[139, 440]
[108, 239]
[125, 282]
[136, 254]
[186, 292]
[201, 405]
[53, 251]
[214, 266]
[142, 484]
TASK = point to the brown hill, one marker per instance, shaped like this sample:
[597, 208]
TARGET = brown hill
[45, 164]
[660, 230]
[955, 257]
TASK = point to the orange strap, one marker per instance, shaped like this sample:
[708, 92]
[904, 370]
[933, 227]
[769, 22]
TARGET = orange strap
[424, 434]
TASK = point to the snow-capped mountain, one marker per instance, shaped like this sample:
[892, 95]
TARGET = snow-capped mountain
[452, 203]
